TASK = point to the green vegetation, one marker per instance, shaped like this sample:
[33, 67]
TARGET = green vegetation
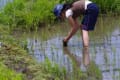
[107, 6]
[13, 53]
[94, 72]
[7, 74]
[27, 14]
[19, 65]
[14, 56]
[31, 14]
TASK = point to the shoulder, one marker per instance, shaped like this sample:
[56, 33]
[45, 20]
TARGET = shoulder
[68, 13]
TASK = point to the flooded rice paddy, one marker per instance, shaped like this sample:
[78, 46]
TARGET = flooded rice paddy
[104, 47]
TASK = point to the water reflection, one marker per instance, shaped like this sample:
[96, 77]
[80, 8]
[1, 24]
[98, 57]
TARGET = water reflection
[75, 59]
[82, 63]
[104, 47]
[78, 61]
[86, 57]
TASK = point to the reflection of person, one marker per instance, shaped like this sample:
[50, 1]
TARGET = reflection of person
[87, 66]
[72, 12]
[86, 57]
[77, 60]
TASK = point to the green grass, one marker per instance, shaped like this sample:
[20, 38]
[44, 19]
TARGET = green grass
[28, 14]
[94, 72]
[13, 54]
[31, 14]
[8, 74]
[107, 6]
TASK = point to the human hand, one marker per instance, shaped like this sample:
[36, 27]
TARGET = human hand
[65, 39]
[65, 43]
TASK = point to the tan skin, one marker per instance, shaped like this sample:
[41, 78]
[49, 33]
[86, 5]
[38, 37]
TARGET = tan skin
[74, 28]
[85, 37]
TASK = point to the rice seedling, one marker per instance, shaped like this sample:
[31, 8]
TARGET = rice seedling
[27, 14]
[107, 6]
[32, 14]
[8, 74]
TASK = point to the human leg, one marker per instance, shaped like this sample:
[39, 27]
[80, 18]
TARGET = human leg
[85, 38]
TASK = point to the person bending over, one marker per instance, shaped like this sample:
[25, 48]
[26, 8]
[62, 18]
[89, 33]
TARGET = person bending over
[72, 11]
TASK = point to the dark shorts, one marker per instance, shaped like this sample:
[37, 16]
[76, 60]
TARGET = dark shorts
[90, 17]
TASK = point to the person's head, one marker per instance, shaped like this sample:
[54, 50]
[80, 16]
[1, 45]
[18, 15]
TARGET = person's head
[59, 10]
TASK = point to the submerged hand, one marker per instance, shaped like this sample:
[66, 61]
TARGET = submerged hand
[65, 42]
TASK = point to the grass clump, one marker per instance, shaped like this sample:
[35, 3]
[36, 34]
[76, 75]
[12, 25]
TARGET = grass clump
[15, 57]
[27, 14]
[8, 74]
[108, 6]
[18, 60]
[94, 72]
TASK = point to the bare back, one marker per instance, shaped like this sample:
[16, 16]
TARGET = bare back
[78, 8]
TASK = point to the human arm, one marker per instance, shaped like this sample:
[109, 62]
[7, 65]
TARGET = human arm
[74, 27]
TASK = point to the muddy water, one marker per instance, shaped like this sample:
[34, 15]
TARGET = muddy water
[104, 47]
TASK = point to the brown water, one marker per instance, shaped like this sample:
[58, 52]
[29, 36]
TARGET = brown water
[104, 46]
